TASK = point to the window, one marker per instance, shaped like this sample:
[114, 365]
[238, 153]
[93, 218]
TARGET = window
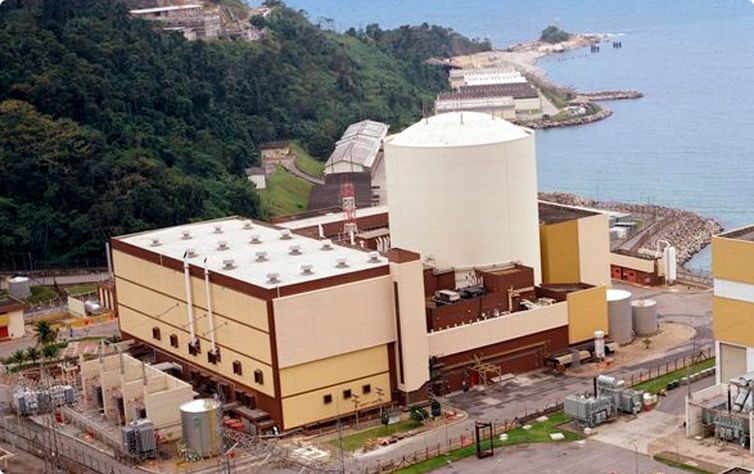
[237, 368]
[347, 393]
[327, 399]
[366, 388]
[174, 340]
[258, 377]
[213, 356]
[156, 333]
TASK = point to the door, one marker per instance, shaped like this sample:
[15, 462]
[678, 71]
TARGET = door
[3, 332]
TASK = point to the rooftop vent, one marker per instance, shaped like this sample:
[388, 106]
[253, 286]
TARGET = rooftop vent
[374, 257]
[229, 264]
[307, 269]
[222, 245]
[186, 234]
[155, 242]
[294, 250]
[191, 253]
[273, 278]
[261, 256]
[285, 234]
[218, 229]
[255, 239]
[327, 244]
[341, 262]
[247, 225]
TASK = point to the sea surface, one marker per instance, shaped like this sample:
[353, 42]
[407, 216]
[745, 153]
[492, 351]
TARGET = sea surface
[689, 143]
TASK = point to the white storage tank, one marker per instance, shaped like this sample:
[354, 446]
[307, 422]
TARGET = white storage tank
[644, 313]
[19, 287]
[462, 188]
[619, 316]
[201, 421]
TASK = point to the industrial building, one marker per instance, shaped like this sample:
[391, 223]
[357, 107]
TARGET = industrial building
[725, 410]
[194, 21]
[486, 76]
[502, 106]
[285, 322]
[359, 148]
[525, 97]
[126, 390]
[11, 319]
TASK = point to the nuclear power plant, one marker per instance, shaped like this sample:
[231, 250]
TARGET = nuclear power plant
[464, 278]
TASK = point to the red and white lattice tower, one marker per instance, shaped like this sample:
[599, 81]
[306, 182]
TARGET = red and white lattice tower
[348, 198]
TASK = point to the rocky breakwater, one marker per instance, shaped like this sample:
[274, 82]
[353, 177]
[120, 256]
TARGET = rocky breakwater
[688, 231]
[610, 95]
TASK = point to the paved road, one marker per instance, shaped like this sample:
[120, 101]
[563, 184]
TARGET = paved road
[589, 457]
[291, 166]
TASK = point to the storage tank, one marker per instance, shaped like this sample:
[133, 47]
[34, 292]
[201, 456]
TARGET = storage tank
[19, 287]
[644, 314]
[619, 316]
[462, 190]
[201, 421]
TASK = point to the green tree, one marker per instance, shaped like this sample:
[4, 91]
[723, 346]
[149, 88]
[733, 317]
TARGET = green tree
[50, 351]
[553, 34]
[32, 354]
[18, 356]
[46, 334]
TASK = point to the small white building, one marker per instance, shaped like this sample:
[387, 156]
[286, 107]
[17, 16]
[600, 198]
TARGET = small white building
[257, 176]
[484, 77]
[501, 106]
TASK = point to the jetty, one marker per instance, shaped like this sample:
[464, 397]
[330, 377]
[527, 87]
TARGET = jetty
[610, 95]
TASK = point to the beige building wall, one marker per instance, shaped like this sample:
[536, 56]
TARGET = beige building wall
[727, 257]
[303, 387]
[412, 324]
[341, 319]
[16, 327]
[732, 361]
[151, 296]
[594, 249]
[626, 261]
[733, 321]
[587, 312]
[495, 330]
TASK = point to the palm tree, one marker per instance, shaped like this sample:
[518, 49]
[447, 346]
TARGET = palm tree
[46, 334]
[32, 354]
[50, 351]
[18, 357]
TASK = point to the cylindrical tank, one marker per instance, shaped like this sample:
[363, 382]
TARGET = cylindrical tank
[619, 316]
[599, 344]
[644, 317]
[19, 287]
[462, 190]
[201, 421]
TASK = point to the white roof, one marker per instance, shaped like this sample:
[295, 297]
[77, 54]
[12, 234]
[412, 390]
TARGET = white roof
[359, 144]
[237, 234]
[142, 11]
[458, 129]
[332, 217]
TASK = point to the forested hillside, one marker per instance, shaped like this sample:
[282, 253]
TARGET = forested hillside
[109, 126]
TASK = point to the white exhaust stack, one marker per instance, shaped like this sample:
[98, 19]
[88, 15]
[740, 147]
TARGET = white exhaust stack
[189, 299]
[209, 306]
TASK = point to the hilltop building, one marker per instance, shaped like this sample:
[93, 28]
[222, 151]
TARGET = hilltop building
[464, 288]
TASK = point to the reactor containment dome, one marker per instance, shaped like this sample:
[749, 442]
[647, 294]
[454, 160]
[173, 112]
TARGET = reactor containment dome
[462, 191]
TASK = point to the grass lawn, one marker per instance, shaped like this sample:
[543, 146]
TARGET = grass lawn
[285, 193]
[655, 385]
[357, 440]
[41, 294]
[306, 162]
[83, 289]
[539, 433]
[679, 465]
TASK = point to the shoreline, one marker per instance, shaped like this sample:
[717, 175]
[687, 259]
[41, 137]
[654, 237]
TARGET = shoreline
[688, 231]
[524, 57]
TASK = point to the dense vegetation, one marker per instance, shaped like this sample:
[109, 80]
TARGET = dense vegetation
[553, 34]
[109, 126]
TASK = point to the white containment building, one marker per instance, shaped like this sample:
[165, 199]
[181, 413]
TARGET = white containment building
[462, 188]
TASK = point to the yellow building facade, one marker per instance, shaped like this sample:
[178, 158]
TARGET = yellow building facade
[733, 302]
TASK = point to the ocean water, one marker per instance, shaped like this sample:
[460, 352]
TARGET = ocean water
[688, 143]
